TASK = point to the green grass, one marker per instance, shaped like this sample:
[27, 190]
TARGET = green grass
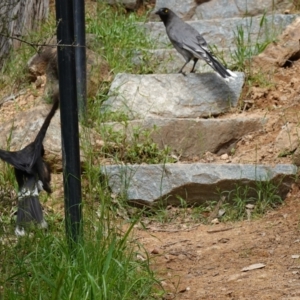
[41, 266]
[104, 266]
[263, 195]
[119, 38]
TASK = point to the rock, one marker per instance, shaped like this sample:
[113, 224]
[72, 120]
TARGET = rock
[185, 10]
[195, 183]
[219, 9]
[173, 95]
[129, 4]
[22, 130]
[250, 206]
[45, 62]
[215, 221]
[194, 137]
[287, 140]
[253, 267]
[224, 156]
[296, 157]
[222, 32]
[284, 51]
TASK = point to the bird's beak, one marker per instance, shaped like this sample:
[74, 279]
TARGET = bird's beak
[157, 13]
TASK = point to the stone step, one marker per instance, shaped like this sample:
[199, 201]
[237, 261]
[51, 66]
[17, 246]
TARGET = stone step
[222, 33]
[191, 10]
[191, 138]
[173, 95]
[194, 183]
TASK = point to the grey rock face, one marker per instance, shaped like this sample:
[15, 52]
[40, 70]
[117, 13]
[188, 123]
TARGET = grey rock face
[193, 137]
[218, 9]
[24, 128]
[130, 4]
[195, 183]
[222, 32]
[185, 10]
[173, 95]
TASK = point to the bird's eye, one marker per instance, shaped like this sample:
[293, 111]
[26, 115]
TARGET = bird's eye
[166, 11]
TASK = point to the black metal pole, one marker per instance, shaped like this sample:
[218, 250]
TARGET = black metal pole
[69, 119]
[80, 55]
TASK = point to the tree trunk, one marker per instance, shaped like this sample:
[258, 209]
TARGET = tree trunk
[17, 18]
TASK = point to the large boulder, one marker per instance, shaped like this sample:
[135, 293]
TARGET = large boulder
[194, 183]
[173, 95]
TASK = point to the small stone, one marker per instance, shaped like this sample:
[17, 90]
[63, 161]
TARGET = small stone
[163, 283]
[181, 257]
[215, 221]
[253, 267]
[224, 156]
[221, 212]
[250, 206]
[155, 251]
[296, 256]
[140, 257]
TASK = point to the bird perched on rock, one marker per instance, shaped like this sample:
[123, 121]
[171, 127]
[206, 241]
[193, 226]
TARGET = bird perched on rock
[32, 174]
[189, 43]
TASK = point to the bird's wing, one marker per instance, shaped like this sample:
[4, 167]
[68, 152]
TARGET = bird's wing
[18, 159]
[195, 43]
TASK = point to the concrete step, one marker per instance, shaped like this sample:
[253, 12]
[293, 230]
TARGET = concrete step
[194, 183]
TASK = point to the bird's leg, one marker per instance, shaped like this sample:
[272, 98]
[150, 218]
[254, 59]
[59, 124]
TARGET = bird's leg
[194, 65]
[181, 70]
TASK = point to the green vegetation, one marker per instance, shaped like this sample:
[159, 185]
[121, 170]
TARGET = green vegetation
[243, 202]
[263, 196]
[104, 266]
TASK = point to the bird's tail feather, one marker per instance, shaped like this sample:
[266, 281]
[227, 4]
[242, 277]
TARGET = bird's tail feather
[218, 67]
[29, 209]
[42, 132]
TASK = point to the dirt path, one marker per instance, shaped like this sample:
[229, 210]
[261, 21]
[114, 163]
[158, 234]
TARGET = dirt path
[206, 262]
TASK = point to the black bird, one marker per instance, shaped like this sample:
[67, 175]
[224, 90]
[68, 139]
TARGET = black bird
[32, 174]
[190, 43]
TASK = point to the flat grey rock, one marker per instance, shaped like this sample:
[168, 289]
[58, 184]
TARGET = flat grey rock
[194, 183]
[217, 9]
[184, 9]
[23, 128]
[222, 32]
[130, 4]
[194, 137]
[173, 95]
